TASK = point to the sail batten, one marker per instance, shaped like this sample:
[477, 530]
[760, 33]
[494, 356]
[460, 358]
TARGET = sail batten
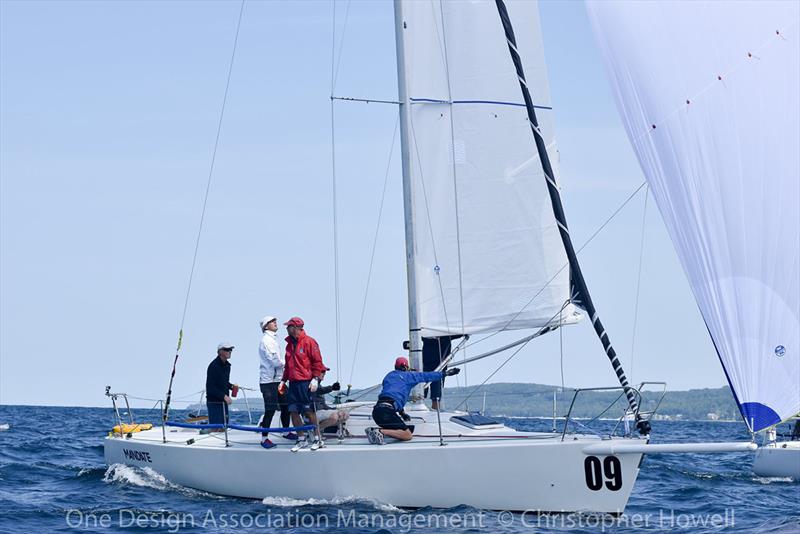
[714, 126]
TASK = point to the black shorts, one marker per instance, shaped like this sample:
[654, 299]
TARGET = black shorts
[298, 397]
[272, 401]
[387, 417]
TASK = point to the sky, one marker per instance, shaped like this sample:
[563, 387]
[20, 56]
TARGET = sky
[108, 116]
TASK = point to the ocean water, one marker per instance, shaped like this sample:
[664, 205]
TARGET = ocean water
[53, 479]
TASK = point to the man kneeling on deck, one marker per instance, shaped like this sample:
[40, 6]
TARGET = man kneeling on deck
[388, 412]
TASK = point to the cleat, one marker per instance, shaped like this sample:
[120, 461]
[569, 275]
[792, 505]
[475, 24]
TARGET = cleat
[267, 444]
[374, 436]
[300, 444]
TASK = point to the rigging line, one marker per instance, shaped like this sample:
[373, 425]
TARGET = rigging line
[455, 181]
[363, 392]
[374, 247]
[337, 307]
[203, 212]
[503, 364]
[211, 169]
[365, 100]
[497, 350]
[638, 280]
[335, 72]
[428, 216]
[561, 342]
[578, 251]
[335, 245]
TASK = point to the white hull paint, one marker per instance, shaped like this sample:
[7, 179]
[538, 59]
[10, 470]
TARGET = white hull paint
[493, 469]
[779, 459]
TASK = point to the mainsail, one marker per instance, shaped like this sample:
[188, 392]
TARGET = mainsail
[487, 251]
[709, 93]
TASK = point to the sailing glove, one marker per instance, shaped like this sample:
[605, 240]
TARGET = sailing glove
[453, 371]
[336, 386]
[405, 416]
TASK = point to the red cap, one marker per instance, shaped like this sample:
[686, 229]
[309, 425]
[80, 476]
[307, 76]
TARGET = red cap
[401, 363]
[294, 321]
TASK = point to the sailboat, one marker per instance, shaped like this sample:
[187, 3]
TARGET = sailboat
[488, 250]
[709, 93]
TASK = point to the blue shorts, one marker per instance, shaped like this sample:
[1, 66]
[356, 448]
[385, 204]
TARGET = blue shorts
[298, 398]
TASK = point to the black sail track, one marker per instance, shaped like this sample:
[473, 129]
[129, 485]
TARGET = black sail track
[579, 292]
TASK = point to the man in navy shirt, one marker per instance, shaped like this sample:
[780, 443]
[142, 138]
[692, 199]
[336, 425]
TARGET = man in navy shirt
[218, 384]
[388, 412]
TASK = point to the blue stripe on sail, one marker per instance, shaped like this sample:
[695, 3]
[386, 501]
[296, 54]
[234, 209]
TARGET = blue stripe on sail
[493, 102]
[762, 416]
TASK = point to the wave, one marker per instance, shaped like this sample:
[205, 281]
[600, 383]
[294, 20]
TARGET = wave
[288, 502]
[773, 480]
[91, 472]
[145, 477]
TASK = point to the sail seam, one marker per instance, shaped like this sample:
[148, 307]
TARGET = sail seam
[490, 102]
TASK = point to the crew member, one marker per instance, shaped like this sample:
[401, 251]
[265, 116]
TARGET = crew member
[270, 374]
[435, 350]
[218, 385]
[328, 416]
[303, 369]
[388, 413]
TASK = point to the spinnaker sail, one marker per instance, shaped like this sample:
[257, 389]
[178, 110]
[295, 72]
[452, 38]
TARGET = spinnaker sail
[709, 93]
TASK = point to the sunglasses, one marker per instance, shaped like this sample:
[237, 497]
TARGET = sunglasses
[227, 350]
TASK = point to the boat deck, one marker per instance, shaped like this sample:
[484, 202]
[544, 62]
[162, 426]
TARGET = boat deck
[426, 434]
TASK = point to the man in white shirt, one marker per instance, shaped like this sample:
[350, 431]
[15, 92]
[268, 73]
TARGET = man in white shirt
[271, 371]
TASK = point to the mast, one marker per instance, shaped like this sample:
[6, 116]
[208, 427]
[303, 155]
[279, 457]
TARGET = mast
[414, 336]
[579, 292]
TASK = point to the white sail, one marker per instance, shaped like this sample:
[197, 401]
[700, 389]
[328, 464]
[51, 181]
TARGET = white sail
[488, 255]
[709, 93]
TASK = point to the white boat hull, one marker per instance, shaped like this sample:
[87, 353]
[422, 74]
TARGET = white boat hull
[497, 469]
[780, 459]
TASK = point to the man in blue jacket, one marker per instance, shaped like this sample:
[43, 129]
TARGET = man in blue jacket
[388, 413]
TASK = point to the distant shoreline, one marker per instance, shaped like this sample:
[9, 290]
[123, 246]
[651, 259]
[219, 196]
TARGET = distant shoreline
[530, 400]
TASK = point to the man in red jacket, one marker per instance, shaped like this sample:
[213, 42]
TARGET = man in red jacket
[303, 370]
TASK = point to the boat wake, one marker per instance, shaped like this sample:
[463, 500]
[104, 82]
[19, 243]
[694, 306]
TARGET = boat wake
[288, 502]
[145, 477]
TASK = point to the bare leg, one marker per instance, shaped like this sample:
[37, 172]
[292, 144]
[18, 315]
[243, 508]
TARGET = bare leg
[312, 418]
[330, 421]
[435, 404]
[297, 421]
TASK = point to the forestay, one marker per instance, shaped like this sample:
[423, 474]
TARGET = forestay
[488, 253]
[709, 94]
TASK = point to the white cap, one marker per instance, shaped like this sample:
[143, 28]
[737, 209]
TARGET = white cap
[265, 320]
[225, 346]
